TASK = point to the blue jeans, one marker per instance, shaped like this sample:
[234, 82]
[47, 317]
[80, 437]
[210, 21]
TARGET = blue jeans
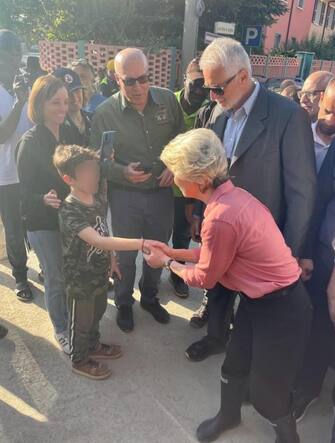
[48, 248]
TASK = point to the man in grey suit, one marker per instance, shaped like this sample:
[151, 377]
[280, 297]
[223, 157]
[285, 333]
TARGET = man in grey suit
[269, 144]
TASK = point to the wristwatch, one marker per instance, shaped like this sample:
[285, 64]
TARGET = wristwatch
[168, 264]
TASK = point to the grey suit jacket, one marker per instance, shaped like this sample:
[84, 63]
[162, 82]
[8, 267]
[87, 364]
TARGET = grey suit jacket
[275, 161]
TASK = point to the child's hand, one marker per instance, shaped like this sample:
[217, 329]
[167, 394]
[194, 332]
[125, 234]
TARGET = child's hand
[115, 268]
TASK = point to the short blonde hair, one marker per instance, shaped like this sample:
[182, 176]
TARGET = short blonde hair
[197, 156]
[44, 88]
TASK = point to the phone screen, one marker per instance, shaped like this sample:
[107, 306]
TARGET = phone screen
[107, 144]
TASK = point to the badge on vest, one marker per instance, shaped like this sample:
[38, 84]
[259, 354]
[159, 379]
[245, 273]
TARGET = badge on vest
[162, 116]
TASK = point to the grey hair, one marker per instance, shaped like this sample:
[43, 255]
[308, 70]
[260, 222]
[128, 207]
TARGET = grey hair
[228, 53]
[197, 156]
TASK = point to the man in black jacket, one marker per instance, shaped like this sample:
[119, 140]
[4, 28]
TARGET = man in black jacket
[269, 144]
[320, 349]
[13, 123]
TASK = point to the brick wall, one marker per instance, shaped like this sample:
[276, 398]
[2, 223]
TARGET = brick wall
[323, 65]
[57, 54]
[164, 72]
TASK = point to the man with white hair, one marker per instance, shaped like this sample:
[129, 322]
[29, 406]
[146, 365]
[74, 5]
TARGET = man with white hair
[269, 146]
[145, 119]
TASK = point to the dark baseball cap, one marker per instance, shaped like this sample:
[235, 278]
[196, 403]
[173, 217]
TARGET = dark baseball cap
[9, 41]
[70, 78]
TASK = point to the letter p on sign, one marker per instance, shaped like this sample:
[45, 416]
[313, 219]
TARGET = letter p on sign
[253, 36]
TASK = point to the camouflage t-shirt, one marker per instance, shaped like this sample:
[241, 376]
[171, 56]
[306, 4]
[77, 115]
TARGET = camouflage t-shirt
[85, 267]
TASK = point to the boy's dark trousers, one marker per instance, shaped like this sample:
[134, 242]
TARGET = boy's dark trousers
[84, 317]
[14, 232]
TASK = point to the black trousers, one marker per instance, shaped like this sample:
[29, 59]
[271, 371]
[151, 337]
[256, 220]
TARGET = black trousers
[84, 319]
[14, 232]
[140, 215]
[181, 229]
[267, 346]
[220, 307]
[320, 350]
[181, 235]
[221, 311]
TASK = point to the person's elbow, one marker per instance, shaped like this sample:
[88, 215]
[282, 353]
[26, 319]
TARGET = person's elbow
[201, 279]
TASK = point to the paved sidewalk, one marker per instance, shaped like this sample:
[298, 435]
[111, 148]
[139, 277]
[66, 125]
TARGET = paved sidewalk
[154, 396]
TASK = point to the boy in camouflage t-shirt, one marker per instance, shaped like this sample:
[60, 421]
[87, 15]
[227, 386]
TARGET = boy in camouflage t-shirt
[87, 258]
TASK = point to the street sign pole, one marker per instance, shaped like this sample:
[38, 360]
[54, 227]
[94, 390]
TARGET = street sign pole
[193, 10]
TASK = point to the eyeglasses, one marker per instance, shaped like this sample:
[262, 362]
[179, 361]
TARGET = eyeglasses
[309, 94]
[129, 81]
[198, 83]
[219, 90]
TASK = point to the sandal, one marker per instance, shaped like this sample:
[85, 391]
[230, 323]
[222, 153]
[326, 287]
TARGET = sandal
[92, 369]
[106, 352]
[23, 292]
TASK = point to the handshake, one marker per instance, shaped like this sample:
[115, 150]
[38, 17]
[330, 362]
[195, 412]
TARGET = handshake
[156, 253]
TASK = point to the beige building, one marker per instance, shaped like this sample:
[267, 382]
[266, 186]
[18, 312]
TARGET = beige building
[323, 20]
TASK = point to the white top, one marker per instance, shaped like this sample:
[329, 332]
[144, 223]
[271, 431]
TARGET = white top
[8, 171]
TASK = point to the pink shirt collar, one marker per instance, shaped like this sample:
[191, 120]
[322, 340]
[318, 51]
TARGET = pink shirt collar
[225, 188]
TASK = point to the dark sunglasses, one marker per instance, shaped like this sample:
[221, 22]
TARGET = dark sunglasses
[197, 83]
[219, 90]
[128, 81]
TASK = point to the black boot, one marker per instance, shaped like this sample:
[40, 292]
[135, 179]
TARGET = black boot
[286, 430]
[204, 348]
[179, 286]
[229, 416]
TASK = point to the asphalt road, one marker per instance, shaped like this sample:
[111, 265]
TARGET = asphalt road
[154, 396]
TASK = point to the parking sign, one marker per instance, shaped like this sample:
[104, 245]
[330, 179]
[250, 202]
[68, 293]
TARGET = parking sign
[253, 36]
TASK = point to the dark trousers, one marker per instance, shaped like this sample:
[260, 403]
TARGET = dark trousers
[220, 311]
[181, 229]
[320, 350]
[85, 315]
[333, 433]
[319, 353]
[140, 215]
[267, 346]
[14, 232]
[181, 235]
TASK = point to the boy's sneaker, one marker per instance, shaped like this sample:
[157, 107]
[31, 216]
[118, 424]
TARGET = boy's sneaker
[92, 369]
[63, 341]
[3, 331]
[106, 352]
